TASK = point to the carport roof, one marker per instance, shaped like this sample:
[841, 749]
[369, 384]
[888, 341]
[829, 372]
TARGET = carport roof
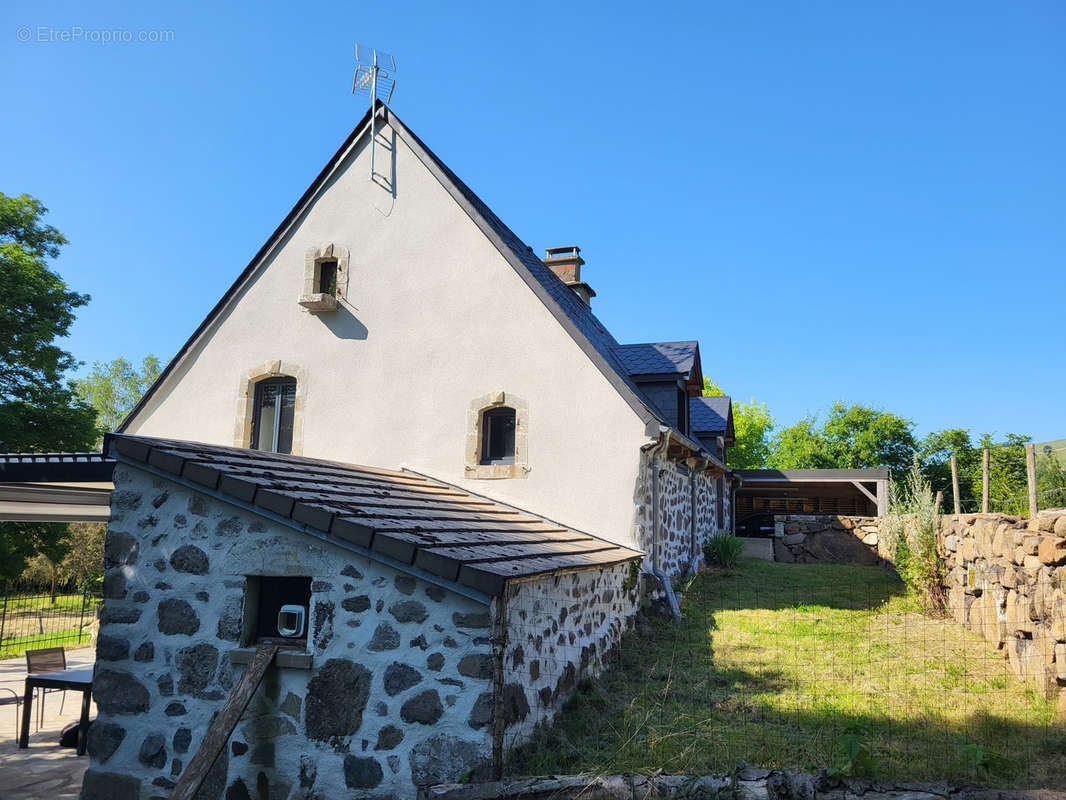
[408, 520]
[805, 475]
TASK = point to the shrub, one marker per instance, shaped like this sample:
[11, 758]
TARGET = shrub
[911, 524]
[723, 550]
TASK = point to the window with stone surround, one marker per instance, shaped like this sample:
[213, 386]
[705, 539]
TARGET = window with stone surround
[270, 400]
[274, 415]
[497, 437]
[325, 277]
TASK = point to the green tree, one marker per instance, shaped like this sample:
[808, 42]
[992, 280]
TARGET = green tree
[114, 387]
[852, 437]
[752, 426]
[934, 455]
[37, 410]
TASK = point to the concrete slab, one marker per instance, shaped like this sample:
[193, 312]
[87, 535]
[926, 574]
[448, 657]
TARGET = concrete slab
[45, 771]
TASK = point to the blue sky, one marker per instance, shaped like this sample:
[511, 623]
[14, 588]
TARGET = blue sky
[856, 201]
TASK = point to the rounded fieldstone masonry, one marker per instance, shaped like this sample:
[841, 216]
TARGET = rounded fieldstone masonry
[385, 638]
[476, 665]
[336, 698]
[388, 737]
[177, 616]
[112, 648]
[361, 773]
[120, 549]
[424, 708]
[189, 558]
[153, 752]
[399, 677]
[196, 667]
[104, 739]
[409, 611]
[118, 692]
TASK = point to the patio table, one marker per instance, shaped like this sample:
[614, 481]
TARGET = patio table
[79, 679]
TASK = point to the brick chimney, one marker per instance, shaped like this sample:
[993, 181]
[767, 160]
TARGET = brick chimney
[566, 263]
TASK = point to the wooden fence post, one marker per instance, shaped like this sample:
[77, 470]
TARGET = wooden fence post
[984, 481]
[955, 483]
[939, 502]
[1030, 474]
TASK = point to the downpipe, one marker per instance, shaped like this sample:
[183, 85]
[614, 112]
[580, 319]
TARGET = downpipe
[656, 570]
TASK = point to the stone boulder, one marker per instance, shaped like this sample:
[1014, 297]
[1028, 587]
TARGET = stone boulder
[837, 547]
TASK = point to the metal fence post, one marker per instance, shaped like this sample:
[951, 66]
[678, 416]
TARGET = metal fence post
[81, 617]
[3, 618]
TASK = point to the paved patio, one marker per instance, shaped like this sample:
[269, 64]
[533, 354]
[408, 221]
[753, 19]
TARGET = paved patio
[45, 771]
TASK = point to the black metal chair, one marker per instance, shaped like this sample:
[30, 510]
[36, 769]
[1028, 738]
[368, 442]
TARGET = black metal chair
[48, 659]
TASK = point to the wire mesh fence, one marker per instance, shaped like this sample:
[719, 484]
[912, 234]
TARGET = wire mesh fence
[811, 666]
[31, 619]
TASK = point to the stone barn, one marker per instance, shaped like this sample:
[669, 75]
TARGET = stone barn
[438, 627]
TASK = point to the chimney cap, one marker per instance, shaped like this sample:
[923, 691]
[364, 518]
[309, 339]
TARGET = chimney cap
[572, 252]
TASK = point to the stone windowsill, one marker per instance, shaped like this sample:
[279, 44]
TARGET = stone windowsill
[319, 301]
[287, 659]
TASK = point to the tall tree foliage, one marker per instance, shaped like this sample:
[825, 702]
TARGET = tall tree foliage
[752, 426]
[851, 437]
[114, 387]
[37, 410]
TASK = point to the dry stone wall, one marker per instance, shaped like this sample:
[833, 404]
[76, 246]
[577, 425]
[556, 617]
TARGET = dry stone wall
[560, 629]
[827, 538]
[1006, 580]
[393, 695]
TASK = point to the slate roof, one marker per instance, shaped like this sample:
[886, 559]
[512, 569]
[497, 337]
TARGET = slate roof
[657, 358]
[575, 316]
[410, 520]
[709, 414]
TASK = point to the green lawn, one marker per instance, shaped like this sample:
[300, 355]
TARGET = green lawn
[773, 663]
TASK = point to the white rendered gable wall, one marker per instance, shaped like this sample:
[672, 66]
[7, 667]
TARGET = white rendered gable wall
[435, 317]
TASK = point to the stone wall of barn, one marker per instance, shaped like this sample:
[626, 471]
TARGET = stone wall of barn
[682, 494]
[1006, 580]
[827, 538]
[560, 629]
[392, 696]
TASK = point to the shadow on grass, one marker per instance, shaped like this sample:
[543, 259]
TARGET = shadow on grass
[773, 664]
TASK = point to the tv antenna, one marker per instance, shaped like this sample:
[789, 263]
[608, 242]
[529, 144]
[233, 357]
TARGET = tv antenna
[375, 76]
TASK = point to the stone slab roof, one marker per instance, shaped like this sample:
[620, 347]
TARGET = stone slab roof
[657, 358]
[709, 414]
[411, 520]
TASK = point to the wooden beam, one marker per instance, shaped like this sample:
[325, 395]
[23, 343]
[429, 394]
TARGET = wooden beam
[955, 483]
[1030, 474]
[218, 734]
[984, 481]
[865, 491]
[882, 497]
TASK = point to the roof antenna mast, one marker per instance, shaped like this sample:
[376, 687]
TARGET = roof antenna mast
[375, 76]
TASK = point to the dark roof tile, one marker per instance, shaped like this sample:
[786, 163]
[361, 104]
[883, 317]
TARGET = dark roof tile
[408, 518]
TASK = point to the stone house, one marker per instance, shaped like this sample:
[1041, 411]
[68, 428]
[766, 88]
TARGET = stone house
[444, 563]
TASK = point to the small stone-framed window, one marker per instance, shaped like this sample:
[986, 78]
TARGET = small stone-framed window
[276, 610]
[325, 277]
[497, 437]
